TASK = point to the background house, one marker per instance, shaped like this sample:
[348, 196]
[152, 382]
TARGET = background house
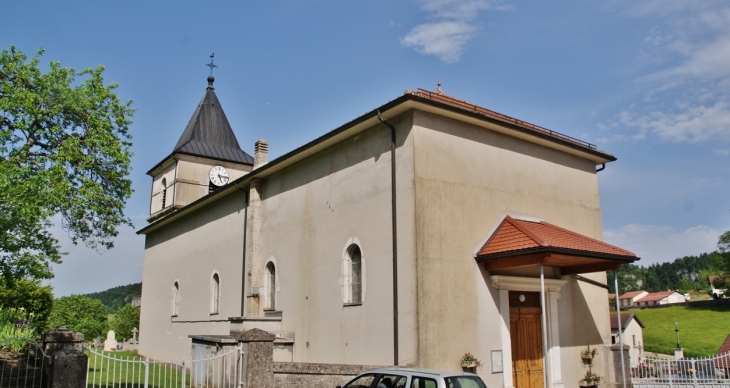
[660, 298]
[629, 299]
[633, 335]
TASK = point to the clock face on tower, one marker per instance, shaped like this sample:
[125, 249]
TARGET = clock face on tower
[218, 176]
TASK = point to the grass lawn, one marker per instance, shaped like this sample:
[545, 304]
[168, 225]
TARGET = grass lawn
[105, 372]
[701, 329]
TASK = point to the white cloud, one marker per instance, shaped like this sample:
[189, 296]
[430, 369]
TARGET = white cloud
[687, 100]
[445, 40]
[658, 244]
[450, 29]
[691, 123]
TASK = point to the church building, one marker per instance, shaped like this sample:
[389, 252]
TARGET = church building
[425, 229]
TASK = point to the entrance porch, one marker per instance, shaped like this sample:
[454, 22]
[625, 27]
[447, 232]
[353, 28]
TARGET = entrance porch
[530, 323]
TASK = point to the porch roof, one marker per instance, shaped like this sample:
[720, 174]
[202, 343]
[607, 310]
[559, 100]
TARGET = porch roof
[521, 243]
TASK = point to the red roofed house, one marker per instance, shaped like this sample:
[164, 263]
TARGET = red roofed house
[659, 298]
[629, 299]
[422, 230]
[632, 331]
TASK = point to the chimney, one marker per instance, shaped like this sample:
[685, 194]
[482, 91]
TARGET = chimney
[261, 153]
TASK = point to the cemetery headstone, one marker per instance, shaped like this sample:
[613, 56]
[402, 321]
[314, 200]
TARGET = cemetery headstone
[111, 342]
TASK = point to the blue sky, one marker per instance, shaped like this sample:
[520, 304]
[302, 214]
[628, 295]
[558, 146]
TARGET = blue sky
[647, 81]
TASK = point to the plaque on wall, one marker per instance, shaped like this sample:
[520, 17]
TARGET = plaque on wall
[496, 361]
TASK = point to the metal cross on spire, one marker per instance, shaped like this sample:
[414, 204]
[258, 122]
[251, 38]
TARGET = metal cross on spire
[211, 64]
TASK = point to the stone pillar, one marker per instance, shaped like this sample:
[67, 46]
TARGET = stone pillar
[70, 365]
[253, 247]
[62, 338]
[678, 353]
[68, 369]
[258, 358]
[616, 353]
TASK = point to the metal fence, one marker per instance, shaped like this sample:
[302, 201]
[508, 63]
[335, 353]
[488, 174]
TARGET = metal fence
[109, 369]
[710, 372]
[22, 364]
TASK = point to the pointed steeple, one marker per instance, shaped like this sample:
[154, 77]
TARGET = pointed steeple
[208, 134]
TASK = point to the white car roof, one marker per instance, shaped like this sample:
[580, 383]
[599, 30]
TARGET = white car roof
[420, 371]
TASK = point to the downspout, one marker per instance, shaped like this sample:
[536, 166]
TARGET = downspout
[603, 167]
[243, 268]
[395, 238]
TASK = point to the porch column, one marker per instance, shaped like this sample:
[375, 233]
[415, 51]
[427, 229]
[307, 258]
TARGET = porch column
[504, 327]
[554, 351]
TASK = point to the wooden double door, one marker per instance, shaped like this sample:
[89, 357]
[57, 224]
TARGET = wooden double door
[527, 356]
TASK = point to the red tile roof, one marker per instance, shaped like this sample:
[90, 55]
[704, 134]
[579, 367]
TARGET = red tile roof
[461, 104]
[655, 296]
[625, 320]
[725, 347]
[630, 294]
[516, 235]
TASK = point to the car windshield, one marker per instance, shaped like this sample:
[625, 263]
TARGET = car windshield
[464, 382]
[363, 381]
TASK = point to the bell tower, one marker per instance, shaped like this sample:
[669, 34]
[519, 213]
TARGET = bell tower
[206, 157]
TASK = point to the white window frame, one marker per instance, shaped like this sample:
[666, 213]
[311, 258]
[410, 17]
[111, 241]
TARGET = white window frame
[175, 298]
[348, 277]
[270, 286]
[215, 293]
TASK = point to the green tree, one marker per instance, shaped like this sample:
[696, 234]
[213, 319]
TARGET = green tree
[81, 314]
[126, 319]
[29, 295]
[64, 150]
[723, 242]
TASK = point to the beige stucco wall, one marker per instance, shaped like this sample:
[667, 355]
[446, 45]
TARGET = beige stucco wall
[465, 178]
[190, 251]
[311, 212]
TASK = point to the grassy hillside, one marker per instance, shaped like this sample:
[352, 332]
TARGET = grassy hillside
[701, 329]
[115, 298]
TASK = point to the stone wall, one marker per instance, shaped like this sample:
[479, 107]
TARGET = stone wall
[260, 370]
[306, 375]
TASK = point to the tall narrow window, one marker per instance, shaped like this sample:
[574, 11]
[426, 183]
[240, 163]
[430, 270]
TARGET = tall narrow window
[271, 286]
[175, 299]
[355, 275]
[164, 192]
[215, 293]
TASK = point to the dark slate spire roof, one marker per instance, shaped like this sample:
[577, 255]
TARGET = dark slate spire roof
[209, 134]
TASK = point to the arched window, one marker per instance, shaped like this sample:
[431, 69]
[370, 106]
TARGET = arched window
[215, 293]
[270, 286]
[354, 274]
[164, 192]
[175, 299]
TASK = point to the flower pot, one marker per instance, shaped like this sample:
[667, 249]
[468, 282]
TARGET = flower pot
[587, 359]
[588, 385]
[468, 364]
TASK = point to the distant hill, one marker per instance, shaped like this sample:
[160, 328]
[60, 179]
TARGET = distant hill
[685, 273]
[116, 297]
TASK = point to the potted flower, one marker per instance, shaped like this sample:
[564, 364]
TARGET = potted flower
[590, 379]
[588, 355]
[469, 361]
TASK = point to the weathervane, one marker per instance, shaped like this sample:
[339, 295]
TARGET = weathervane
[211, 64]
